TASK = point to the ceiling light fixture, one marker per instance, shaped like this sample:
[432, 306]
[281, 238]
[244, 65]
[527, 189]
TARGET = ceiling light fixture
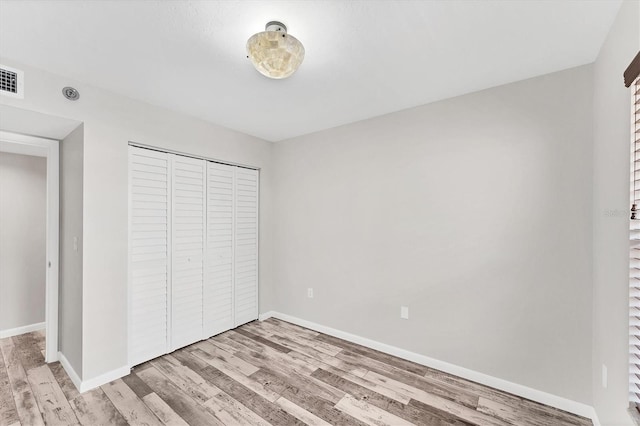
[274, 53]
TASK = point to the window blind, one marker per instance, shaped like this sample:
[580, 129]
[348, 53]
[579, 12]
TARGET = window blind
[634, 251]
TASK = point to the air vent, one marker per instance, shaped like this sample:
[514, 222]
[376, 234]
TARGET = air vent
[11, 82]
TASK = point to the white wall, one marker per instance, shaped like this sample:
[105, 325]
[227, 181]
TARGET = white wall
[611, 217]
[110, 122]
[475, 212]
[70, 282]
[23, 208]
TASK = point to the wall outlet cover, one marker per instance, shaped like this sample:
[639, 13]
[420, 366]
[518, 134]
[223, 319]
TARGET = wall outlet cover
[404, 312]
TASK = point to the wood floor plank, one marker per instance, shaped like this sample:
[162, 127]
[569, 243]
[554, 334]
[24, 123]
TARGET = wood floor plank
[375, 387]
[319, 359]
[459, 411]
[309, 384]
[519, 416]
[300, 413]
[246, 396]
[137, 385]
[229, 359]
[51, 401]
[302, 339]
[232, 412]
[293, 373]
[262, 340]
[309, 401]
[504, 412]
[93, 408]
[162, 411]
[40, 337]
[535, 409]
[7, 341]
[68, 388]
[129, 405]
[409, 413]
[265, 352]
[8, 411]
[29, 351]
[186, 379]
[224, 343]
[368, 413]
[238, 377]
[186, 407]
[422, 399]
[378, 369]
[269, 330]
[293, 328]
[25, 402]
[406, 365]
[255, 328]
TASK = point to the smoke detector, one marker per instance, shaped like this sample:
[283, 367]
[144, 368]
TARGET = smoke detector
[71, 93]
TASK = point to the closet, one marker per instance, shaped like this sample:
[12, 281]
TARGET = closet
[193, 250]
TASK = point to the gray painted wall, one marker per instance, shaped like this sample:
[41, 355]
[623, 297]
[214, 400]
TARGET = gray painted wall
[475, 212]
[70, 283]
[23, 210]
[611, 218]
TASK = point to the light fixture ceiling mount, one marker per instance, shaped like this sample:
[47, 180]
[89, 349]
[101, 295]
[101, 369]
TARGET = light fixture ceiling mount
[273, 52]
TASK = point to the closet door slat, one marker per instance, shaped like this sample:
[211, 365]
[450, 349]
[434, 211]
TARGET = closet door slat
[246, 245]
[218, 289]
[149, 253]
[188, 229]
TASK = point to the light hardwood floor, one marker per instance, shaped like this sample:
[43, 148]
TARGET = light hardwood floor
[262, 373]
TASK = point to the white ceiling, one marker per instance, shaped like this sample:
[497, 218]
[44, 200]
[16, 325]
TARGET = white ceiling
[363, 58]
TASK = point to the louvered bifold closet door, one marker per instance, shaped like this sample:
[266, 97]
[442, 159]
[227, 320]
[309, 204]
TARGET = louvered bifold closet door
[246, 246]
[188, 231]
[634, 265]
[218, 287]
[149, 253]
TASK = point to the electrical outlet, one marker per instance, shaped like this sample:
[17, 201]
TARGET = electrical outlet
[604, 376]
[404, 312]
[310, 293]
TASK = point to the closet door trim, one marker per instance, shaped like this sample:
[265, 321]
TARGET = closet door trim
[198, 157]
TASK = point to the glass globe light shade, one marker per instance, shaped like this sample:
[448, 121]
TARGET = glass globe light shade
[274, 53]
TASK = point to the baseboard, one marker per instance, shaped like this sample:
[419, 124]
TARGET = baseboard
[75, 378]
[86, 385]
[494, 382]
[21, 330]
[104, 378]
[266, 315]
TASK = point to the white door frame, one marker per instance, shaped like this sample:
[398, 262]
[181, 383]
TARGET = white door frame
[48, 148]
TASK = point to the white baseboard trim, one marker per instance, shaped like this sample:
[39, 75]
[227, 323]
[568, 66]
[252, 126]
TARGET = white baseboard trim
[104, 378]
[86, 385]
[494, 382]
[266, 315]
[21, 330]
[70, 371]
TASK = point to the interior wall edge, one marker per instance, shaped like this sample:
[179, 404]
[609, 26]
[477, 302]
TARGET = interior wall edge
[75, 378]
[86, 385]
[465, 373]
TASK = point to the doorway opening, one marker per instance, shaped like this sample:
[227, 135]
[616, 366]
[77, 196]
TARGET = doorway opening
[25, 149]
